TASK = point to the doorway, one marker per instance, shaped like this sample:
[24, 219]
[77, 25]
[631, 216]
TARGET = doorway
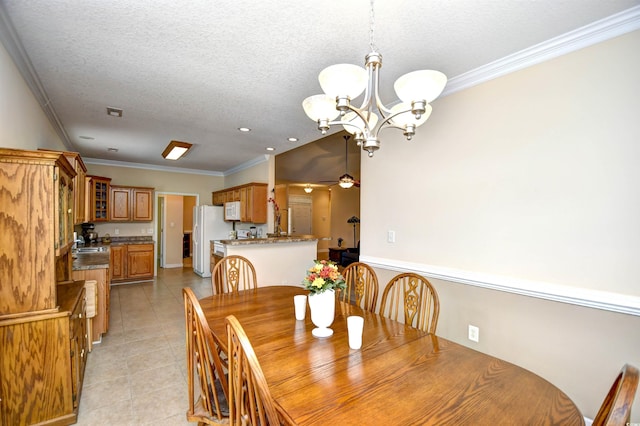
[175, 224]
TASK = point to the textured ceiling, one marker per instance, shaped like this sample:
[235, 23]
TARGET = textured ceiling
[197, 70]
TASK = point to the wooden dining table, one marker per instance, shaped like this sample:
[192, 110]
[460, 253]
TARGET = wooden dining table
[400, 376]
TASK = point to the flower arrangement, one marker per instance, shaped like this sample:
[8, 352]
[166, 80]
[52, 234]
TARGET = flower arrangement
[276, 208]
[322, 276]
[276, 216]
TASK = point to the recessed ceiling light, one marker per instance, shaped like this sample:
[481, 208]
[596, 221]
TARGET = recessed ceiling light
[270, 148]
[292, 139]
[244, 129]
[89, 138]
[114, 112]
[112, 149]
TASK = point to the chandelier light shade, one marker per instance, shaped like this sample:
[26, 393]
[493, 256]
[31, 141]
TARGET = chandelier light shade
[308, 189]
[342, 83]
[175, 150]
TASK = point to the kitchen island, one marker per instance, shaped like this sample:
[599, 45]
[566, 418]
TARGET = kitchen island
[278, 261]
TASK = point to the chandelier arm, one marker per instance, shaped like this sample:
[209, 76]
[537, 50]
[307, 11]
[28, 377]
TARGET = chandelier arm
[387, 123]
[360, 114]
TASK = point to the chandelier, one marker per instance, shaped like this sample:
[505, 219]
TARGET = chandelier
[342, 83]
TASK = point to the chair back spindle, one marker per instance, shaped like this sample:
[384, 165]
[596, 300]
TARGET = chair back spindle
[233, 273]
[361, 286]
[410, 298]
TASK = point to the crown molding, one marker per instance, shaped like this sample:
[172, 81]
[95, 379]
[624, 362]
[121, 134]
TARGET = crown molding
[596, 32]
[589, 298]
[114, 163]
[236, 169]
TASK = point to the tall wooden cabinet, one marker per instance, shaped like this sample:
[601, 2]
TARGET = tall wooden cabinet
[42, 346]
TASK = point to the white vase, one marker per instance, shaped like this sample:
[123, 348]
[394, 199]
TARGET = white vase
[322, 306]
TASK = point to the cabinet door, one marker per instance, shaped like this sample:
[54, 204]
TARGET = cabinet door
[259, 204]
[140, 261]
[78, 337]
[142, 204]
[218, 198]
[245, 204]
[120, 203]
[117, 264]
[100, 199]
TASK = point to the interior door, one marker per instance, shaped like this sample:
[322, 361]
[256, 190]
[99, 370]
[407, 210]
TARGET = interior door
[300, 219]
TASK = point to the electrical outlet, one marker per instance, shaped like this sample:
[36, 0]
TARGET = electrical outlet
[149, 230]
[117, 231]
[142, 231]
[391, 236]
[474, 333]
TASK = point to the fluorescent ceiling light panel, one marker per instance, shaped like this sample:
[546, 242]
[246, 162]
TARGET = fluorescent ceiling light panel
[175, 150]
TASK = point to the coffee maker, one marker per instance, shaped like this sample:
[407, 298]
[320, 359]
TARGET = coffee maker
[88, 233]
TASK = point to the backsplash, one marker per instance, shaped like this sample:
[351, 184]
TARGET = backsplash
[119, 229]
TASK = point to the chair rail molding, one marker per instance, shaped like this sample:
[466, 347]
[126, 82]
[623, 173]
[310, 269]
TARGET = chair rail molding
[590, 298]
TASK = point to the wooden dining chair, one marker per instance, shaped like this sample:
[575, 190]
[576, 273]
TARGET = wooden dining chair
[207, 383]
[233, 273]
[616, 408]
[362, 286]
[250, 401]
[411, 298]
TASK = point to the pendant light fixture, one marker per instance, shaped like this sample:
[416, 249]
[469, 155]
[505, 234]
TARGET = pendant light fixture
[346, 180]
[342, 83]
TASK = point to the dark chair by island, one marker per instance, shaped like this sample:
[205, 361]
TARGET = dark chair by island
[350, 256]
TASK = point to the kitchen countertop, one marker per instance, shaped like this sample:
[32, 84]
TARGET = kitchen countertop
[276, 240]
[84, 261]
[100, 260]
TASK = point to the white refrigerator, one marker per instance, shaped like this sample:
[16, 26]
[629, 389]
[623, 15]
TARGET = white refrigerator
[208, 224]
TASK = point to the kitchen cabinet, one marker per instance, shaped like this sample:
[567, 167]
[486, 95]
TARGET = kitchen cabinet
[130, 204]
[253, 201]
[253, 204]
[132, 262]
[99, 323]
[140, 261]
[99, 200]
[118, 262]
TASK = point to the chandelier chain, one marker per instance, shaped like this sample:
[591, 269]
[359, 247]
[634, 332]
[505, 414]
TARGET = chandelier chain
[372, 26]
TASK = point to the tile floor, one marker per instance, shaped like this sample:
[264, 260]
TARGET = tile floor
[137, 375]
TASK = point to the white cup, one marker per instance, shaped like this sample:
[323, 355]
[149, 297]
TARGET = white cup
[300, 303]
[355, 325]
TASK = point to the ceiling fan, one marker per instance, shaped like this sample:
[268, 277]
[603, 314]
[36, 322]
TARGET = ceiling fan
[346, 180]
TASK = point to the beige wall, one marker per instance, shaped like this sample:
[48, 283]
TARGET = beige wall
[258, 173]
[23, 124]
[529, 182]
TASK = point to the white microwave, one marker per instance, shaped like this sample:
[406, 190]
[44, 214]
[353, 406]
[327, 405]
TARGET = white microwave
[232, 210]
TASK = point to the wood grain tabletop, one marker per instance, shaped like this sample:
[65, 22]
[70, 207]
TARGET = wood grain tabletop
[400, 376]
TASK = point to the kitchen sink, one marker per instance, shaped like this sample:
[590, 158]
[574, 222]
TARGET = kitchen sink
[91, 249]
